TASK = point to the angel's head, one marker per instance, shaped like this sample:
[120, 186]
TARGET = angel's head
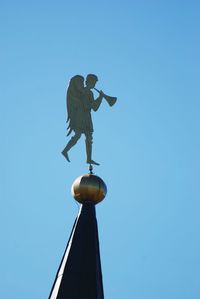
[91, 80]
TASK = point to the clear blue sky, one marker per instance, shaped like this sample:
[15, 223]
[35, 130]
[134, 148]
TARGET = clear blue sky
[147, 54]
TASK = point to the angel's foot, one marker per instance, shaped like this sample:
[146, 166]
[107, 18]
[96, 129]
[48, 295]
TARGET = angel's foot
[65, 154]
[92, 162]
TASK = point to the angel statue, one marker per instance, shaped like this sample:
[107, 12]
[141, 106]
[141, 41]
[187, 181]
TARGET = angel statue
[80, 102]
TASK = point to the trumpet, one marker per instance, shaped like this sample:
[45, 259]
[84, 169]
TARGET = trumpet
[111, 100]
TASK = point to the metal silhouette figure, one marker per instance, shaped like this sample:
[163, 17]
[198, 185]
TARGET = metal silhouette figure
[80, 102]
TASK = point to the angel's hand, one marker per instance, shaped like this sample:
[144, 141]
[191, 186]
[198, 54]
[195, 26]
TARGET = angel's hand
[101, 94]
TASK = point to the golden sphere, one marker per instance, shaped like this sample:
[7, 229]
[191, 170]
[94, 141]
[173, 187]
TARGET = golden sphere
[89, 188]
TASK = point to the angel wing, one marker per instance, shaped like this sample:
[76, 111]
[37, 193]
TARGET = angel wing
[72, 106]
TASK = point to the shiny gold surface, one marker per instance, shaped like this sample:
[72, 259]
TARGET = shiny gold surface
[89, 188]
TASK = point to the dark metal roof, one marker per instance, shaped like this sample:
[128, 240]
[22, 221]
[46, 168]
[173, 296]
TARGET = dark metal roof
[79, 275]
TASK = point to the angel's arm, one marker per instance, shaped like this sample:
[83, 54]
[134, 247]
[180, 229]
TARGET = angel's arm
[95, 103]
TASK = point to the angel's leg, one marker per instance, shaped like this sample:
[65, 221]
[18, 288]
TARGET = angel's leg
[88, 144]
[70, 144]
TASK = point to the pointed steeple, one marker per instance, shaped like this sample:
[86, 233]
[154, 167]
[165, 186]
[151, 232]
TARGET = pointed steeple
[79, 275]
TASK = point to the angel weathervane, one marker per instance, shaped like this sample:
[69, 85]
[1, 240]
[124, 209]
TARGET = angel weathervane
[80, 102]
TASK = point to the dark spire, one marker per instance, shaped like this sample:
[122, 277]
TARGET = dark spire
[79, 275]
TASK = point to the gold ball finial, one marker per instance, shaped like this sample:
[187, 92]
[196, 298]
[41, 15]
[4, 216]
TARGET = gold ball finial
[89, 188]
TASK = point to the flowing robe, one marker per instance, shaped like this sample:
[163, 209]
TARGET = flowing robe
[79, 108]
